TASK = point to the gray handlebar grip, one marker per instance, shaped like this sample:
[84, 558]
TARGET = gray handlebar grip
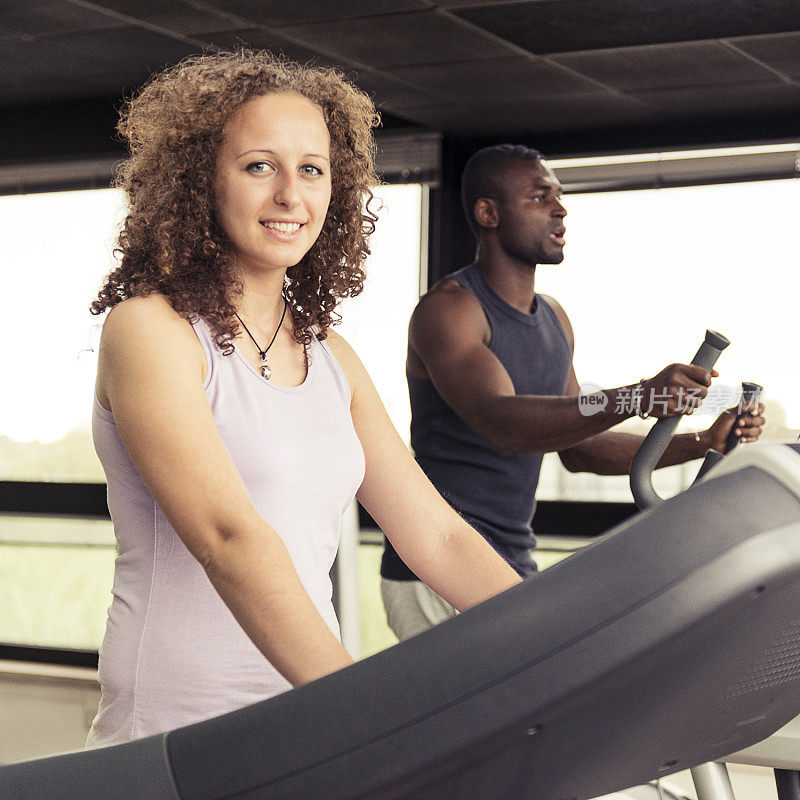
[656, 441]
[750, 394]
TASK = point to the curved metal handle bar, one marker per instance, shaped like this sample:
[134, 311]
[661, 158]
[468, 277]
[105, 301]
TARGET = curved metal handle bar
[656, 441]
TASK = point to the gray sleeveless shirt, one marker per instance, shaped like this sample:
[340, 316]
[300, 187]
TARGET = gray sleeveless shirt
[494, 493]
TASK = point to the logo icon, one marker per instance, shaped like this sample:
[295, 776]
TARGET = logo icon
[591, 399]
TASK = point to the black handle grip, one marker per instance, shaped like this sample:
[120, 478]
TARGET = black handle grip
[750, 394]
[656, 441]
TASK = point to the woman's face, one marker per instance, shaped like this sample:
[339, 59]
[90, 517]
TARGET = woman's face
[273, 180]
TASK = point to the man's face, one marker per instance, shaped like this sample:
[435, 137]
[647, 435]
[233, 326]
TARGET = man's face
[530, 217]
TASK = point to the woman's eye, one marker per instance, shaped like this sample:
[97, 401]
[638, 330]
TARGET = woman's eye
[258, 167]
[310, 169]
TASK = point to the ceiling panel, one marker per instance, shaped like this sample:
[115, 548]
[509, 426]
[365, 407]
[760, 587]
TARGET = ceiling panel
[781, 51]
[545, 113]
[181, 17]
[392, 93]
[139, 51]
[272, 13]
[739, 99]
[46, 17]
[401, 39]
[45, 83]
[508, 77]
[440, 116]
[614, 66]
[554, 26]
[111, 62]
[664, 66]
[486, 3]
[259, 39]
[554, 113]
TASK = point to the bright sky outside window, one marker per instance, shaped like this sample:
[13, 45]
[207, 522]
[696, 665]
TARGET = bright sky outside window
[57, 248]
[646, 272]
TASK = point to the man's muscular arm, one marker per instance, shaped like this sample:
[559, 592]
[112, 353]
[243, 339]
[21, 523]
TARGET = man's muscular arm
[611, 452]
[448, 344]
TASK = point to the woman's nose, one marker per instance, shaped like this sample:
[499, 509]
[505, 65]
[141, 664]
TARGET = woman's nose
[287, 193]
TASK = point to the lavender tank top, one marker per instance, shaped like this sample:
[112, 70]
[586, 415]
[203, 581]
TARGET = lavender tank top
[173, 654]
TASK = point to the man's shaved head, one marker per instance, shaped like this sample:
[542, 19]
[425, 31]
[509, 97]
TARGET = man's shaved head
[485, 173]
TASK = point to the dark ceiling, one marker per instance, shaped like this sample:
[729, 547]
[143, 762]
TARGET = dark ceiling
[541, 68]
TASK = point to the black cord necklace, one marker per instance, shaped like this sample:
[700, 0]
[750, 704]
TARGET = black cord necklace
[266, 372]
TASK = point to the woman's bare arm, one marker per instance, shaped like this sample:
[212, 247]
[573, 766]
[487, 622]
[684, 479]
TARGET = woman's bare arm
[433, 540]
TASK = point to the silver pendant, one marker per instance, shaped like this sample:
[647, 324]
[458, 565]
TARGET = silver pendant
[266, 372]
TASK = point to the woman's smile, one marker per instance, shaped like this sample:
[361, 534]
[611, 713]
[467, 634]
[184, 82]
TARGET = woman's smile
[282, 231]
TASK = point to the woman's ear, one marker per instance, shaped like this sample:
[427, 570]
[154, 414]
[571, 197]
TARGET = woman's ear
[486, 212]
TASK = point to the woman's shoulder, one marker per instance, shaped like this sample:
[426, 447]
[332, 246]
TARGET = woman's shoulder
[152, 307]
[147, 327]
[348, 359]
[147, 336]
[146, 316]
[340, 347]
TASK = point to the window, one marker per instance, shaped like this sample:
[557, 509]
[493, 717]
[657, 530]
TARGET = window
[646, 272]
[59, 247]
[56, 573]
[376, 322]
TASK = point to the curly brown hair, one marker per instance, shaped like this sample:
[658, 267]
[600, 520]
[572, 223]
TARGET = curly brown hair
[171, 241]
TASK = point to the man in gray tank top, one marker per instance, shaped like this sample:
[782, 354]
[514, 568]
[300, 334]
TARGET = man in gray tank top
[492, 385]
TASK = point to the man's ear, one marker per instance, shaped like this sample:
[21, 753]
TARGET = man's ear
[486, 212]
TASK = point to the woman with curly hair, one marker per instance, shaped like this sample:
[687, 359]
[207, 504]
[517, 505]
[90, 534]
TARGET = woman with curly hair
[233, 425]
